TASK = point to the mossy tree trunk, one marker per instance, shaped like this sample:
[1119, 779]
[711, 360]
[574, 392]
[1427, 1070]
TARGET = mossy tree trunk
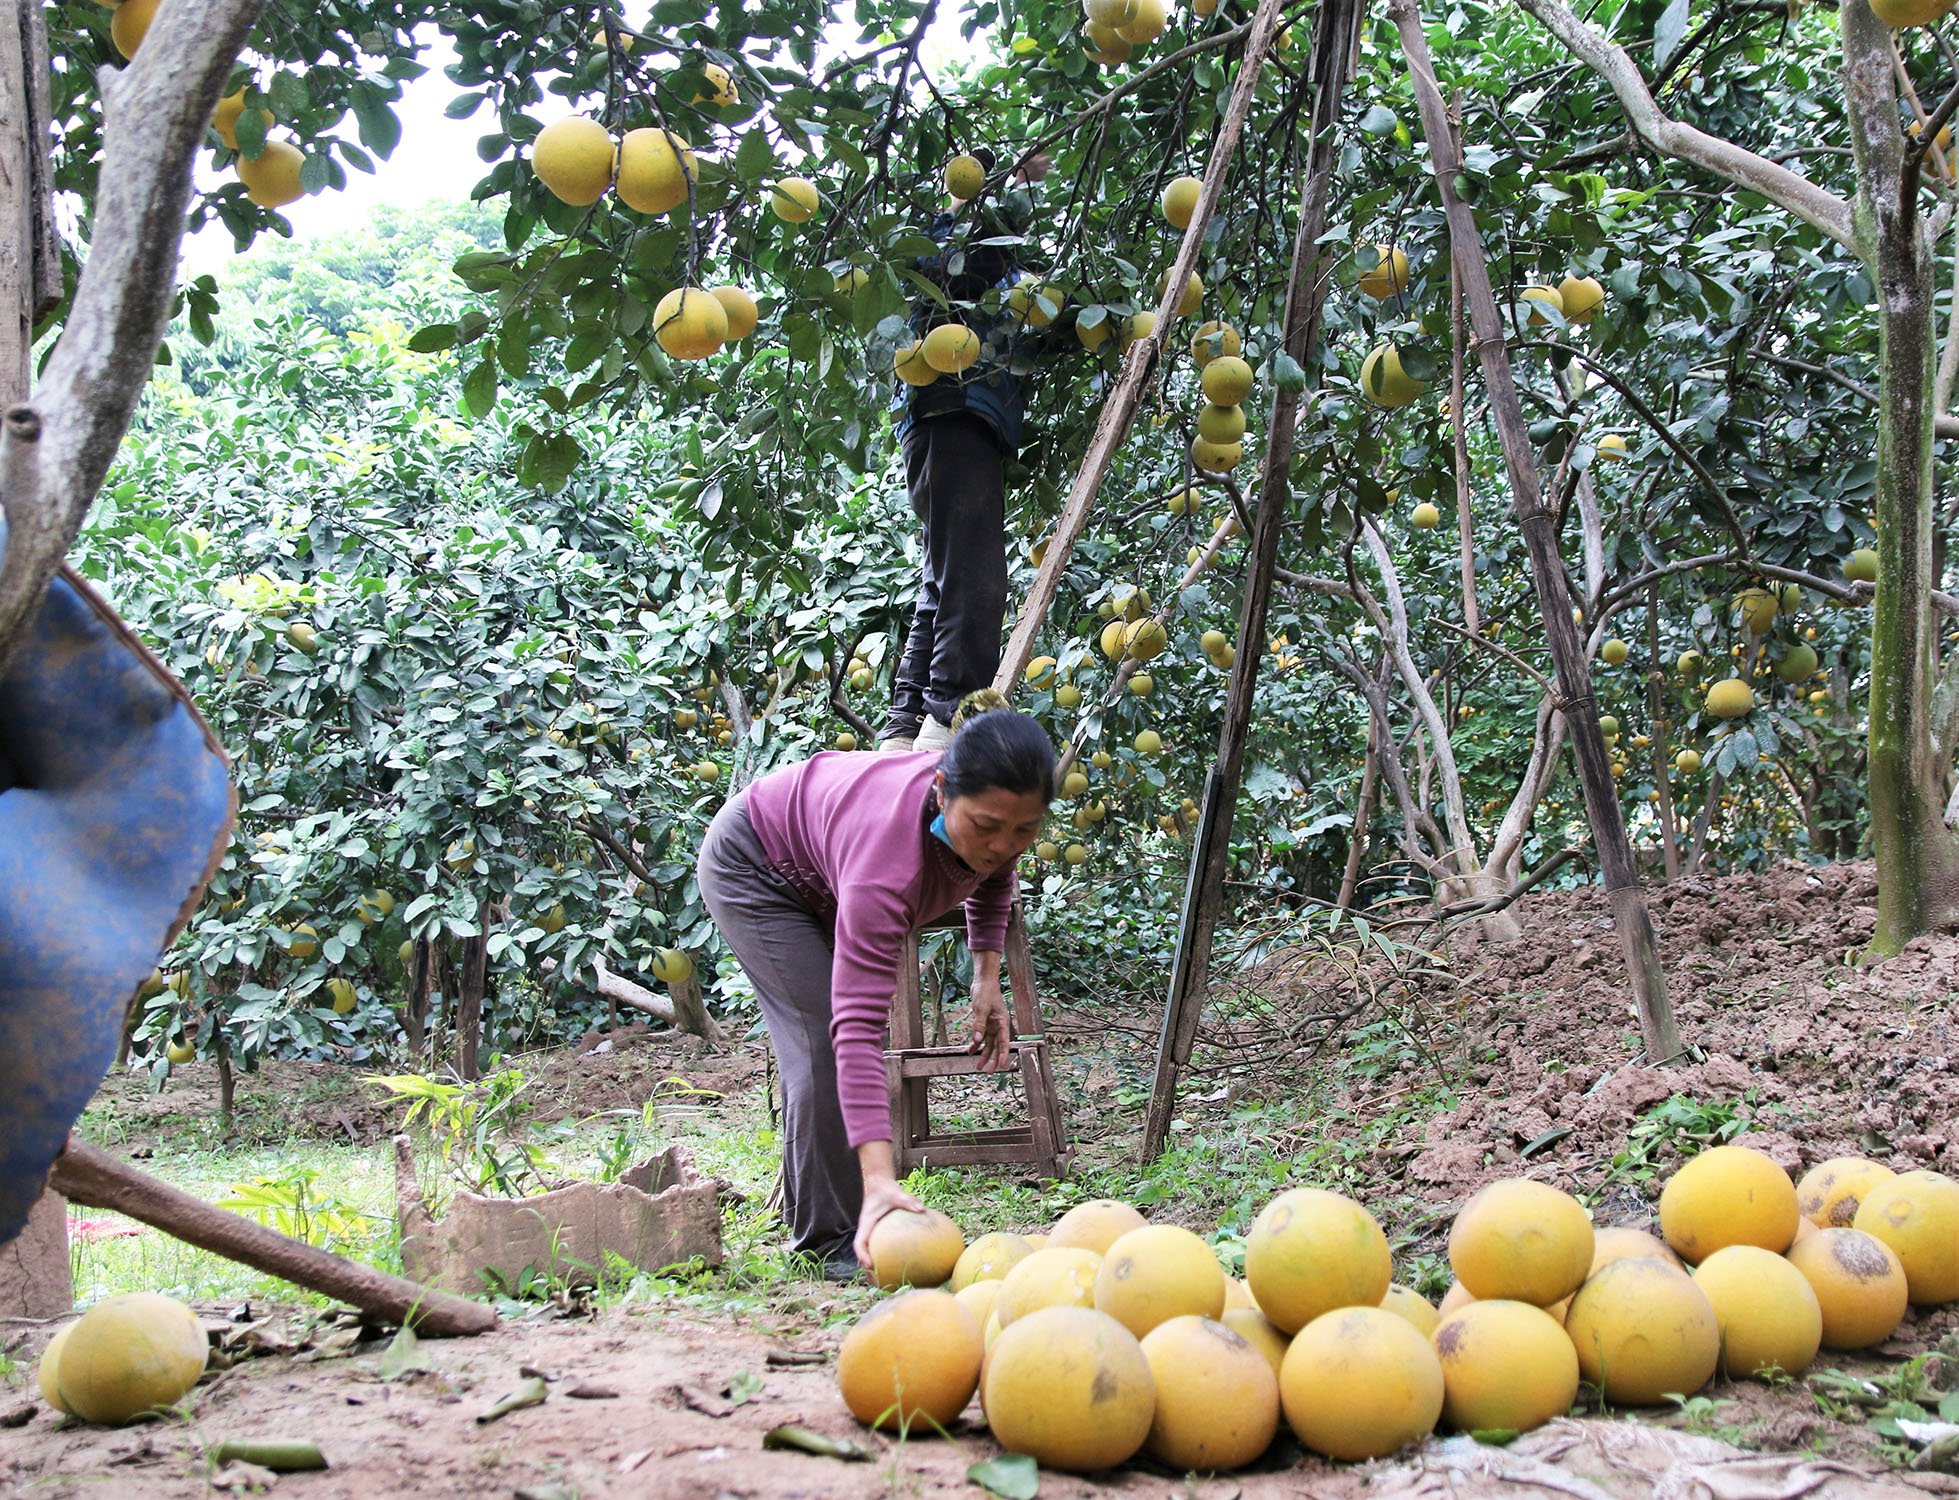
[1917, 855]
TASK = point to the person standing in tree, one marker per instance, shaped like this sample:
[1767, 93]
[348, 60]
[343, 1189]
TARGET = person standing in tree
[957, 435]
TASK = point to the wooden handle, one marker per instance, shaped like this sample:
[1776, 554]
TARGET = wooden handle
[98, 1180]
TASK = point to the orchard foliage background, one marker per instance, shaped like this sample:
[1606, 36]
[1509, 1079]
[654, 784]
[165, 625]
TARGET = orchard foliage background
[450, 551]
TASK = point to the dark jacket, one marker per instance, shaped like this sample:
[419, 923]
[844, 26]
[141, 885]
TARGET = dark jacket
[990, 389]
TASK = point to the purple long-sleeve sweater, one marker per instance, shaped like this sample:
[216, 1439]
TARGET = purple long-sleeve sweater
[852, 832]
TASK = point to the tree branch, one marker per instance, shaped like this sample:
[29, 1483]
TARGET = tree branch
[1815, 206]
[56, 446]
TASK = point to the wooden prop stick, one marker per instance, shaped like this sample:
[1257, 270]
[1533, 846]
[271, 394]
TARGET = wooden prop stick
[96, 1179]
[1119, 411]
[1335, 33]
[1575, 701]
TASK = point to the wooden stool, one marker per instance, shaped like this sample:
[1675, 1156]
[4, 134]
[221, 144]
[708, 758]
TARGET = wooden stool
[910, 1065]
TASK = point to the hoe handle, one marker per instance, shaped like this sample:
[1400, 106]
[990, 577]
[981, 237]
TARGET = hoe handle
[96, 1179]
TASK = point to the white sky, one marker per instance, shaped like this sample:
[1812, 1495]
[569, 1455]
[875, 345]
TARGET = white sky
[436, 161]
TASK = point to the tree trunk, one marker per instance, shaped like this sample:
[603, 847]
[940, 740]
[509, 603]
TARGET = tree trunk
[1363, 811]
[1917, 855]
[1661, 749]
[469, 998]
[1580, 708]
[415, 1014]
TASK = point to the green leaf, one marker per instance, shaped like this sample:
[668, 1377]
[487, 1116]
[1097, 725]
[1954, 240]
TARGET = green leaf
[433, 339]
[1287, 375]
[1668, 33]
[480, 390]
[1012, 1476]
[1378, 121]
[380, 130]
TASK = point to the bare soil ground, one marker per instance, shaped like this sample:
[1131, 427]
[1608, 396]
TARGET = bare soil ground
[1529, 1059]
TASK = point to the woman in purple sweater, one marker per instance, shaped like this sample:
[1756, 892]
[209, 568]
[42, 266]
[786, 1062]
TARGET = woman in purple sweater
[815, 874]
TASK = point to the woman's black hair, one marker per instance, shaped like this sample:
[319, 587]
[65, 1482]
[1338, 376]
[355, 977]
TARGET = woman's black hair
[999, 748]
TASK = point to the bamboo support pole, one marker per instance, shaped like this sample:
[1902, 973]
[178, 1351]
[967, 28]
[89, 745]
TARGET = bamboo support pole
[1635, 924]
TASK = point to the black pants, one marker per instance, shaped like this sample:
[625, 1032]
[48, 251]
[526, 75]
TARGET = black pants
[956, 473]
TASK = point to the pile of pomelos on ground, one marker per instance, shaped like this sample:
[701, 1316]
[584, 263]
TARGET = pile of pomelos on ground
[1109, 1335]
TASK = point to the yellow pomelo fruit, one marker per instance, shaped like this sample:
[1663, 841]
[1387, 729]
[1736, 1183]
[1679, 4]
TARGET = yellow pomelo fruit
[1214, 340]
[1104, 45]
[304, 941]
[1360, 1383]
[1644, 1331]
[1767, 1311]
[1227, 380]
[1035, 302]
[965, 176]
[1580, 296]
[1217, 1399]
[1894, 12]
[1311, 1251]
[1040, 671]
[1798, 665]
[1455, 1298]
[1216, 458]
[1144, 640]
[1425, 517]
[988, 1334]
[1192, 299]
[225, 119]
[1730, 698]
[1612, 445]
[1505, 1366]
[272, 177]
[1075, 854]
[374, 906]
[655, 167]
[740, 308]
[1237, 1294]
[1383, 382]
[1110, 640]
[793, 200]
[1543, 300]
[1389, 275]
[47, 1374]
[1728, 1195]
[1149, 742]
[1059, 1276]
[978, 1298]
[1180, 200]
[1615, 652]
[989, 1258]
[1861, 566]
[575, 158]
[1687, 762]
[180, 1052]
[1094, 1225]
[1156, 1273]
[1142, 684]
[131, 23]
[1073, 785]
[950, 348]
[1609, 1245]
[1917, 1215]
[1220, 424]
[1831, 1191]
[1070, 1387]
[1256, 1329]
[1859, 1283]
[1412, 1308]
[1139, 326]
[672, 965]
[719, 80]
[1146, 25]
[1757, 609]
[690, 323]
[1521, 1241]
[915, 1249]
[131, 1354]
[914, 1359]
[343, 994]
[1110, 13]
[909, 363]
